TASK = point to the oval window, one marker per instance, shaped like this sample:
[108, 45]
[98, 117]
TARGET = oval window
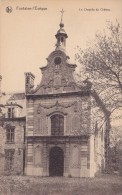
[57, 60]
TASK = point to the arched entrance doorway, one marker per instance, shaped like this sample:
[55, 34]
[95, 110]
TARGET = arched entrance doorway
[56, 162]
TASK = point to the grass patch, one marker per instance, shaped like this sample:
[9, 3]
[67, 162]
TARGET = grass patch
[25, 185]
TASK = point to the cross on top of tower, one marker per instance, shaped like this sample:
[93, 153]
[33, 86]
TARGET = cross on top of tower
[61, 23]
[62, 12]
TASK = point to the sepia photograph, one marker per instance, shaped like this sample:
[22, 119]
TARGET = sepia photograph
[60, 97]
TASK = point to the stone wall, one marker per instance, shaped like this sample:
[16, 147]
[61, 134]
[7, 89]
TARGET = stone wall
[76, 112]
[76, 156]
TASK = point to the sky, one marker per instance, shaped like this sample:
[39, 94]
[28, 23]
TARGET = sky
[27, 37]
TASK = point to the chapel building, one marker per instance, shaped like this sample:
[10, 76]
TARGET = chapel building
[52, 134]
[58, 129]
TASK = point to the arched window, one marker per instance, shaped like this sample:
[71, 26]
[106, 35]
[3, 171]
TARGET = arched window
[57, 125]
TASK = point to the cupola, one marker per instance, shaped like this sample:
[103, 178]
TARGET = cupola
[61, 35]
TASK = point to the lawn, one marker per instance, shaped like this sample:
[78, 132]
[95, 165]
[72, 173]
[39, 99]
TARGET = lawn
[25, 185]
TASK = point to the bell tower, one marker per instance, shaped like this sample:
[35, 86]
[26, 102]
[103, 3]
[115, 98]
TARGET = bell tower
[61, 35]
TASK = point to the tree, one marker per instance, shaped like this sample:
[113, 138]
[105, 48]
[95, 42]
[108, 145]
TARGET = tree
[116, 149]
[102, 62]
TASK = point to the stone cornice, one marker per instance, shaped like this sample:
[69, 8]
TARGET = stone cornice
[78, 93]
[58, 139]
[13, 104]
[15, 119]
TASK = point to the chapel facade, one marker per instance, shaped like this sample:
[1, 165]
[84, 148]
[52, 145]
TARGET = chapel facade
[59, 139]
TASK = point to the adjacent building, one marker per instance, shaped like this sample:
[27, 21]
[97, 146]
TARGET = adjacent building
[12, 133]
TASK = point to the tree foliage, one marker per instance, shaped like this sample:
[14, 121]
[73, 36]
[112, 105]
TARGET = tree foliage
[102, 61]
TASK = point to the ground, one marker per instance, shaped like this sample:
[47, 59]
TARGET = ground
[25, 185]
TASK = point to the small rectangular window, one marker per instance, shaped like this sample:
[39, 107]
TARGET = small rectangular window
[10, 112]
[10, 134]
